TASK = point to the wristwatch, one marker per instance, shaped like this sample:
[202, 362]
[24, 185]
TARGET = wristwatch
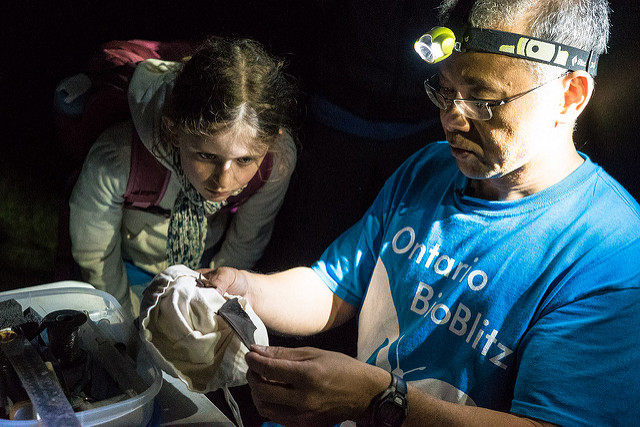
[389, 408]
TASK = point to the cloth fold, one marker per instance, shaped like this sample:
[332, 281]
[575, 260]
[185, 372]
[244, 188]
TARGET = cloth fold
[186, 337]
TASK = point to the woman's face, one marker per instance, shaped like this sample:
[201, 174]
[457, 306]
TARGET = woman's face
[219, 165]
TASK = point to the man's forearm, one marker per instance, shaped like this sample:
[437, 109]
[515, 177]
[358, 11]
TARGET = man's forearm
[294, 302]
[425, 409]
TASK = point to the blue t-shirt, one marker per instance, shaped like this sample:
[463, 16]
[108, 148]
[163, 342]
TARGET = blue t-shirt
[529, 306]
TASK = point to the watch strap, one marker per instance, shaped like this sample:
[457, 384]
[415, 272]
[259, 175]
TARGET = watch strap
[400, 384]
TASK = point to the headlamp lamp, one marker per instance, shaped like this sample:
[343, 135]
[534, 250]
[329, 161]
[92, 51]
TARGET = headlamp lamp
[439, 42]
[435, 45]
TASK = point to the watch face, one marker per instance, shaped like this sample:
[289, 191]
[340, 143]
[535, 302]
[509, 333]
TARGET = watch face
[390, 414]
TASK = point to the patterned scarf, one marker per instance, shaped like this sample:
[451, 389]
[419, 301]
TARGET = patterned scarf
[188, 223]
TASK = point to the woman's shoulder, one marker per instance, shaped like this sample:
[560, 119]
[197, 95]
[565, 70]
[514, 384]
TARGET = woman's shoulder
[103, 179]
[149, 88]
[284, 156]
[150, 76]
[111, 153]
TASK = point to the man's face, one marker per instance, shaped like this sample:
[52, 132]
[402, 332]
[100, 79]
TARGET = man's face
[515, 140]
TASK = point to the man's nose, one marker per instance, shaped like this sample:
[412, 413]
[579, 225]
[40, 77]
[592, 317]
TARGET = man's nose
[453, 120]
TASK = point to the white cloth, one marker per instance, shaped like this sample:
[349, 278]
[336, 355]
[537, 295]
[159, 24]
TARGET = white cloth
[187, 338]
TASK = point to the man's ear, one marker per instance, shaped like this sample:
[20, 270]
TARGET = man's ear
[578, 88]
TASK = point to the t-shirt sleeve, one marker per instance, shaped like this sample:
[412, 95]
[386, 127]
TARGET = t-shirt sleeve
[580, 363]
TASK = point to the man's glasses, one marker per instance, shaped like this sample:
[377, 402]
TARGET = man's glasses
[474, 109]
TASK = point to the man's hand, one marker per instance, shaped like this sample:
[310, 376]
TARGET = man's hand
[308, 386]
[224, 279]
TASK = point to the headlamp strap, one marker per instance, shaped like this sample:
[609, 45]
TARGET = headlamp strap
[519, 46]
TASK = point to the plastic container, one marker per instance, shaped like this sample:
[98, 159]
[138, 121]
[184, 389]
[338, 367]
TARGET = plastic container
[107, 313]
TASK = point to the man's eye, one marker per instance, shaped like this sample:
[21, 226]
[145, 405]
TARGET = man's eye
[447, 92]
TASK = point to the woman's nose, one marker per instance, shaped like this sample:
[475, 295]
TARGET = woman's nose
[223, 174]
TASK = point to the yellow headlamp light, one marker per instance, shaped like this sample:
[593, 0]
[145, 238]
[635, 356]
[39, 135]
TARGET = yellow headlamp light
[437, 44]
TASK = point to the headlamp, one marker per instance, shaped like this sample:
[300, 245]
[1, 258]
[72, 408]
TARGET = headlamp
[435, 45]
[439, 42]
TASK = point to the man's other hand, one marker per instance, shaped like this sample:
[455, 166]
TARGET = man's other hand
[224, 279]
[309, 386]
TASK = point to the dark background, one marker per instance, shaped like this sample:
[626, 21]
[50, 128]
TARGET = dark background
[45, 41]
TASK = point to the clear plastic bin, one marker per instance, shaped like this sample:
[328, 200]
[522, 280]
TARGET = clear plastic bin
[107, 313]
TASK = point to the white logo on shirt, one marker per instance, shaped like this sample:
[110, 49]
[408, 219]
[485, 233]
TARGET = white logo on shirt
[444, 265]
[440, 314]
[427, 304]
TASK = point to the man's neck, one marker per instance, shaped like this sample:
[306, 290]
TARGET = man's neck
[526, 180]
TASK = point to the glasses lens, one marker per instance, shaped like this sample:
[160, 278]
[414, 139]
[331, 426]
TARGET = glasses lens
[473, 110]
[435, 96]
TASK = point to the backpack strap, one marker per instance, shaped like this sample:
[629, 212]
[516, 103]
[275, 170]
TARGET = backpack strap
[256, 183]
[148, 179]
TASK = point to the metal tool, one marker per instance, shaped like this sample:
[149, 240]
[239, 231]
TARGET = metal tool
[46, 394]
[238, 319]
[118, 365]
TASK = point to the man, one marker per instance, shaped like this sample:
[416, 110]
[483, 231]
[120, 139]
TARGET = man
[496, 274]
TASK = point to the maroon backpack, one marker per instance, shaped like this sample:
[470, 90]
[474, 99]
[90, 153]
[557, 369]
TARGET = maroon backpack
[81, 117]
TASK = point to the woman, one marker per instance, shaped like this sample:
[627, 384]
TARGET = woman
[221, 123]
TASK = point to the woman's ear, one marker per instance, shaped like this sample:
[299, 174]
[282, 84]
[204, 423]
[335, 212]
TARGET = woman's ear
[169, 126]
[578, 88]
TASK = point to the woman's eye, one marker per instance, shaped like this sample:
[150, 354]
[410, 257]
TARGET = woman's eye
[245, 161]
[207, 156]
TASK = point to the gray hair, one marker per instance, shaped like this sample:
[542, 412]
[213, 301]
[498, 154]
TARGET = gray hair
[583, 24]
